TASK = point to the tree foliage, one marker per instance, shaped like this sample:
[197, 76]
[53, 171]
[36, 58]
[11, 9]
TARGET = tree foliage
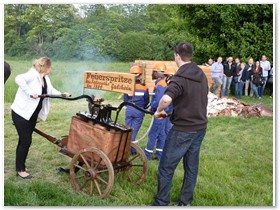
[231, 29]
[127, 32]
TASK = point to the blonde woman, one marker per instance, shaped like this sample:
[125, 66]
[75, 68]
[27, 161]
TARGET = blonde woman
[27, 106]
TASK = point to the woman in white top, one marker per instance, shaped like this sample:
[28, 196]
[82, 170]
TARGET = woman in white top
[27, 106]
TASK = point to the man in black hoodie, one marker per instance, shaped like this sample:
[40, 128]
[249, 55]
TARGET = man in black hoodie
[187, 90]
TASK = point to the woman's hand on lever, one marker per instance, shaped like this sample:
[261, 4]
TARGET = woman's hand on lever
[65, 94]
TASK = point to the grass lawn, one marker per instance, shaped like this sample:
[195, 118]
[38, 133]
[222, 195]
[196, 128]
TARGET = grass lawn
[236, 159]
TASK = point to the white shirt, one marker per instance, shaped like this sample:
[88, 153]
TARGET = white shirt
[265, 68]
[30, 83]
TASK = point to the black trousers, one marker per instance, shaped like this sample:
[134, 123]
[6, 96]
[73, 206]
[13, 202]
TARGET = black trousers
[270, 85]
[24, 129]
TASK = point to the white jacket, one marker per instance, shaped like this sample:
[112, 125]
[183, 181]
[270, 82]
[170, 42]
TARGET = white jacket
[30, 83]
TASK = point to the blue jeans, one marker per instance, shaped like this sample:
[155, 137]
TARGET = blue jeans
[226, 86]
[239, 90]
[257, 90]
[168, 125]
[178, 145]
[263, 87]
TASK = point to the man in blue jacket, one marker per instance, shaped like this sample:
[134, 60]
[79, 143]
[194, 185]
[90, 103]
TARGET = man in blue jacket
[157, 133]
[134, 117]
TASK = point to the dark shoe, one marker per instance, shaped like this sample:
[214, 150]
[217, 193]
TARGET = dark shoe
[24, 177]
[155, 158]
[61, 169]
[180, 204]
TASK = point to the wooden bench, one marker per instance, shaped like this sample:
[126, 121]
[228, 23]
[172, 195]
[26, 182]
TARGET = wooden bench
[148, 65]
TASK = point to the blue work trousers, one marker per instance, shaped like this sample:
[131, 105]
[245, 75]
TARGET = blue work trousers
[178, 145]
[156, 138]
[134, 119]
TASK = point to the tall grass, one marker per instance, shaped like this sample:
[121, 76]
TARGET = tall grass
[236, 161]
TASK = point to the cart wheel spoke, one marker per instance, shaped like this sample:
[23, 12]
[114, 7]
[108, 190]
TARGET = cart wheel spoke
[85, 161]
[83, 186]
[91, 188]
[97, 172]
[97, 164]
[132, 159]
[102, 180]
[80, 167]
[79, 177]
[129, 176]
[136, 171]
[97, 186]
[137, 165]
[102, 171]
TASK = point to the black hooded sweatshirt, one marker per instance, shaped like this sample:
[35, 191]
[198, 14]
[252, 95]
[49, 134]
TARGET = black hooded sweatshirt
[188, 89]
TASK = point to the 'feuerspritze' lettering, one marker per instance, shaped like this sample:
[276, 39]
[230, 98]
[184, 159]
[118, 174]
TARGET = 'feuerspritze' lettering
[111, 81]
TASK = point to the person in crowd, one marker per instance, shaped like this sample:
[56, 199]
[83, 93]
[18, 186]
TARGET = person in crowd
[236, 74]
[229, 67]
[217, 70]
[270, 83]
[168, 74]
[134, 117]
[248, 70]
[187, 90]
[209, 62]
[257, 80]
[27, 106]
[265, 64]
[157, 133]
[240, 81]
[7, 71]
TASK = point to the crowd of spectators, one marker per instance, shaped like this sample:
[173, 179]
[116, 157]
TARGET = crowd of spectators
[249, 78]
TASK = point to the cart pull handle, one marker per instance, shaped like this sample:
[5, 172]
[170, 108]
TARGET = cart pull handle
[137, 107]
[62, 96]
[126, 103]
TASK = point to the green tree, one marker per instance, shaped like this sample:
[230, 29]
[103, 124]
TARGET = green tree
[36, 24]
[135, 45]
[236, 30]
[150, 30]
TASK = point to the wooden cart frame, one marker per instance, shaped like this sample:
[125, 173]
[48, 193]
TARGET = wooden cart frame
[93, 165]
[91, 170]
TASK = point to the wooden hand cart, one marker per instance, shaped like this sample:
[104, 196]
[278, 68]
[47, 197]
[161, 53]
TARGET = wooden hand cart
[99, 147]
